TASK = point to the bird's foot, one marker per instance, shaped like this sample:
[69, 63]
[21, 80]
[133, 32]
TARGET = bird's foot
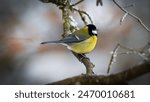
[82, 57]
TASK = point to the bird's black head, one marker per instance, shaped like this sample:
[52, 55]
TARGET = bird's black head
[92, 29]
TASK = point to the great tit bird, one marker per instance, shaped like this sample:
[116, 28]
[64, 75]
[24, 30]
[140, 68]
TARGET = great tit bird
[82, 41]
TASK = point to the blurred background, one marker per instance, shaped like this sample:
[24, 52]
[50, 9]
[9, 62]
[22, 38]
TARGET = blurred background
[24, 24]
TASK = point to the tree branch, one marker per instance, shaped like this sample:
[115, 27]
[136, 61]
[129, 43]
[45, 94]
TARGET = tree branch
[81, 12]
[56, 2]
[132, 15]
[86, 61]
[118, 78]
[65, 6]
[77, 3]
[66, 20]
[112, 59]
[143, 53]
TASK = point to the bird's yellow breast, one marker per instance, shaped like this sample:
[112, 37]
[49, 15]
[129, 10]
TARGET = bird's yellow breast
[85, 46]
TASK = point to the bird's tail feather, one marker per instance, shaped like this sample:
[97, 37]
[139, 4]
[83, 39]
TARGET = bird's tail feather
[46, 42]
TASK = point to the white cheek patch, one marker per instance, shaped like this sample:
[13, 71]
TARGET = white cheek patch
[94, 31]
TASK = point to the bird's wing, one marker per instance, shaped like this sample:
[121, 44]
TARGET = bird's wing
[67, 40]
[72, 39]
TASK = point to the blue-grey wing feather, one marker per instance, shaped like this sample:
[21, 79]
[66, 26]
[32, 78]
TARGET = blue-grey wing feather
[71, 39]
[67, 40]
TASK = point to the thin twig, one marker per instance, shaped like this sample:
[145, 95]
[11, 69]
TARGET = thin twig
[99, 2]
[83, 12]
[83, 18]
[77, 3]
[123, 18]
[127, 6]
[132, 15]
[112, 57]
[140, 53]
[135, 51]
